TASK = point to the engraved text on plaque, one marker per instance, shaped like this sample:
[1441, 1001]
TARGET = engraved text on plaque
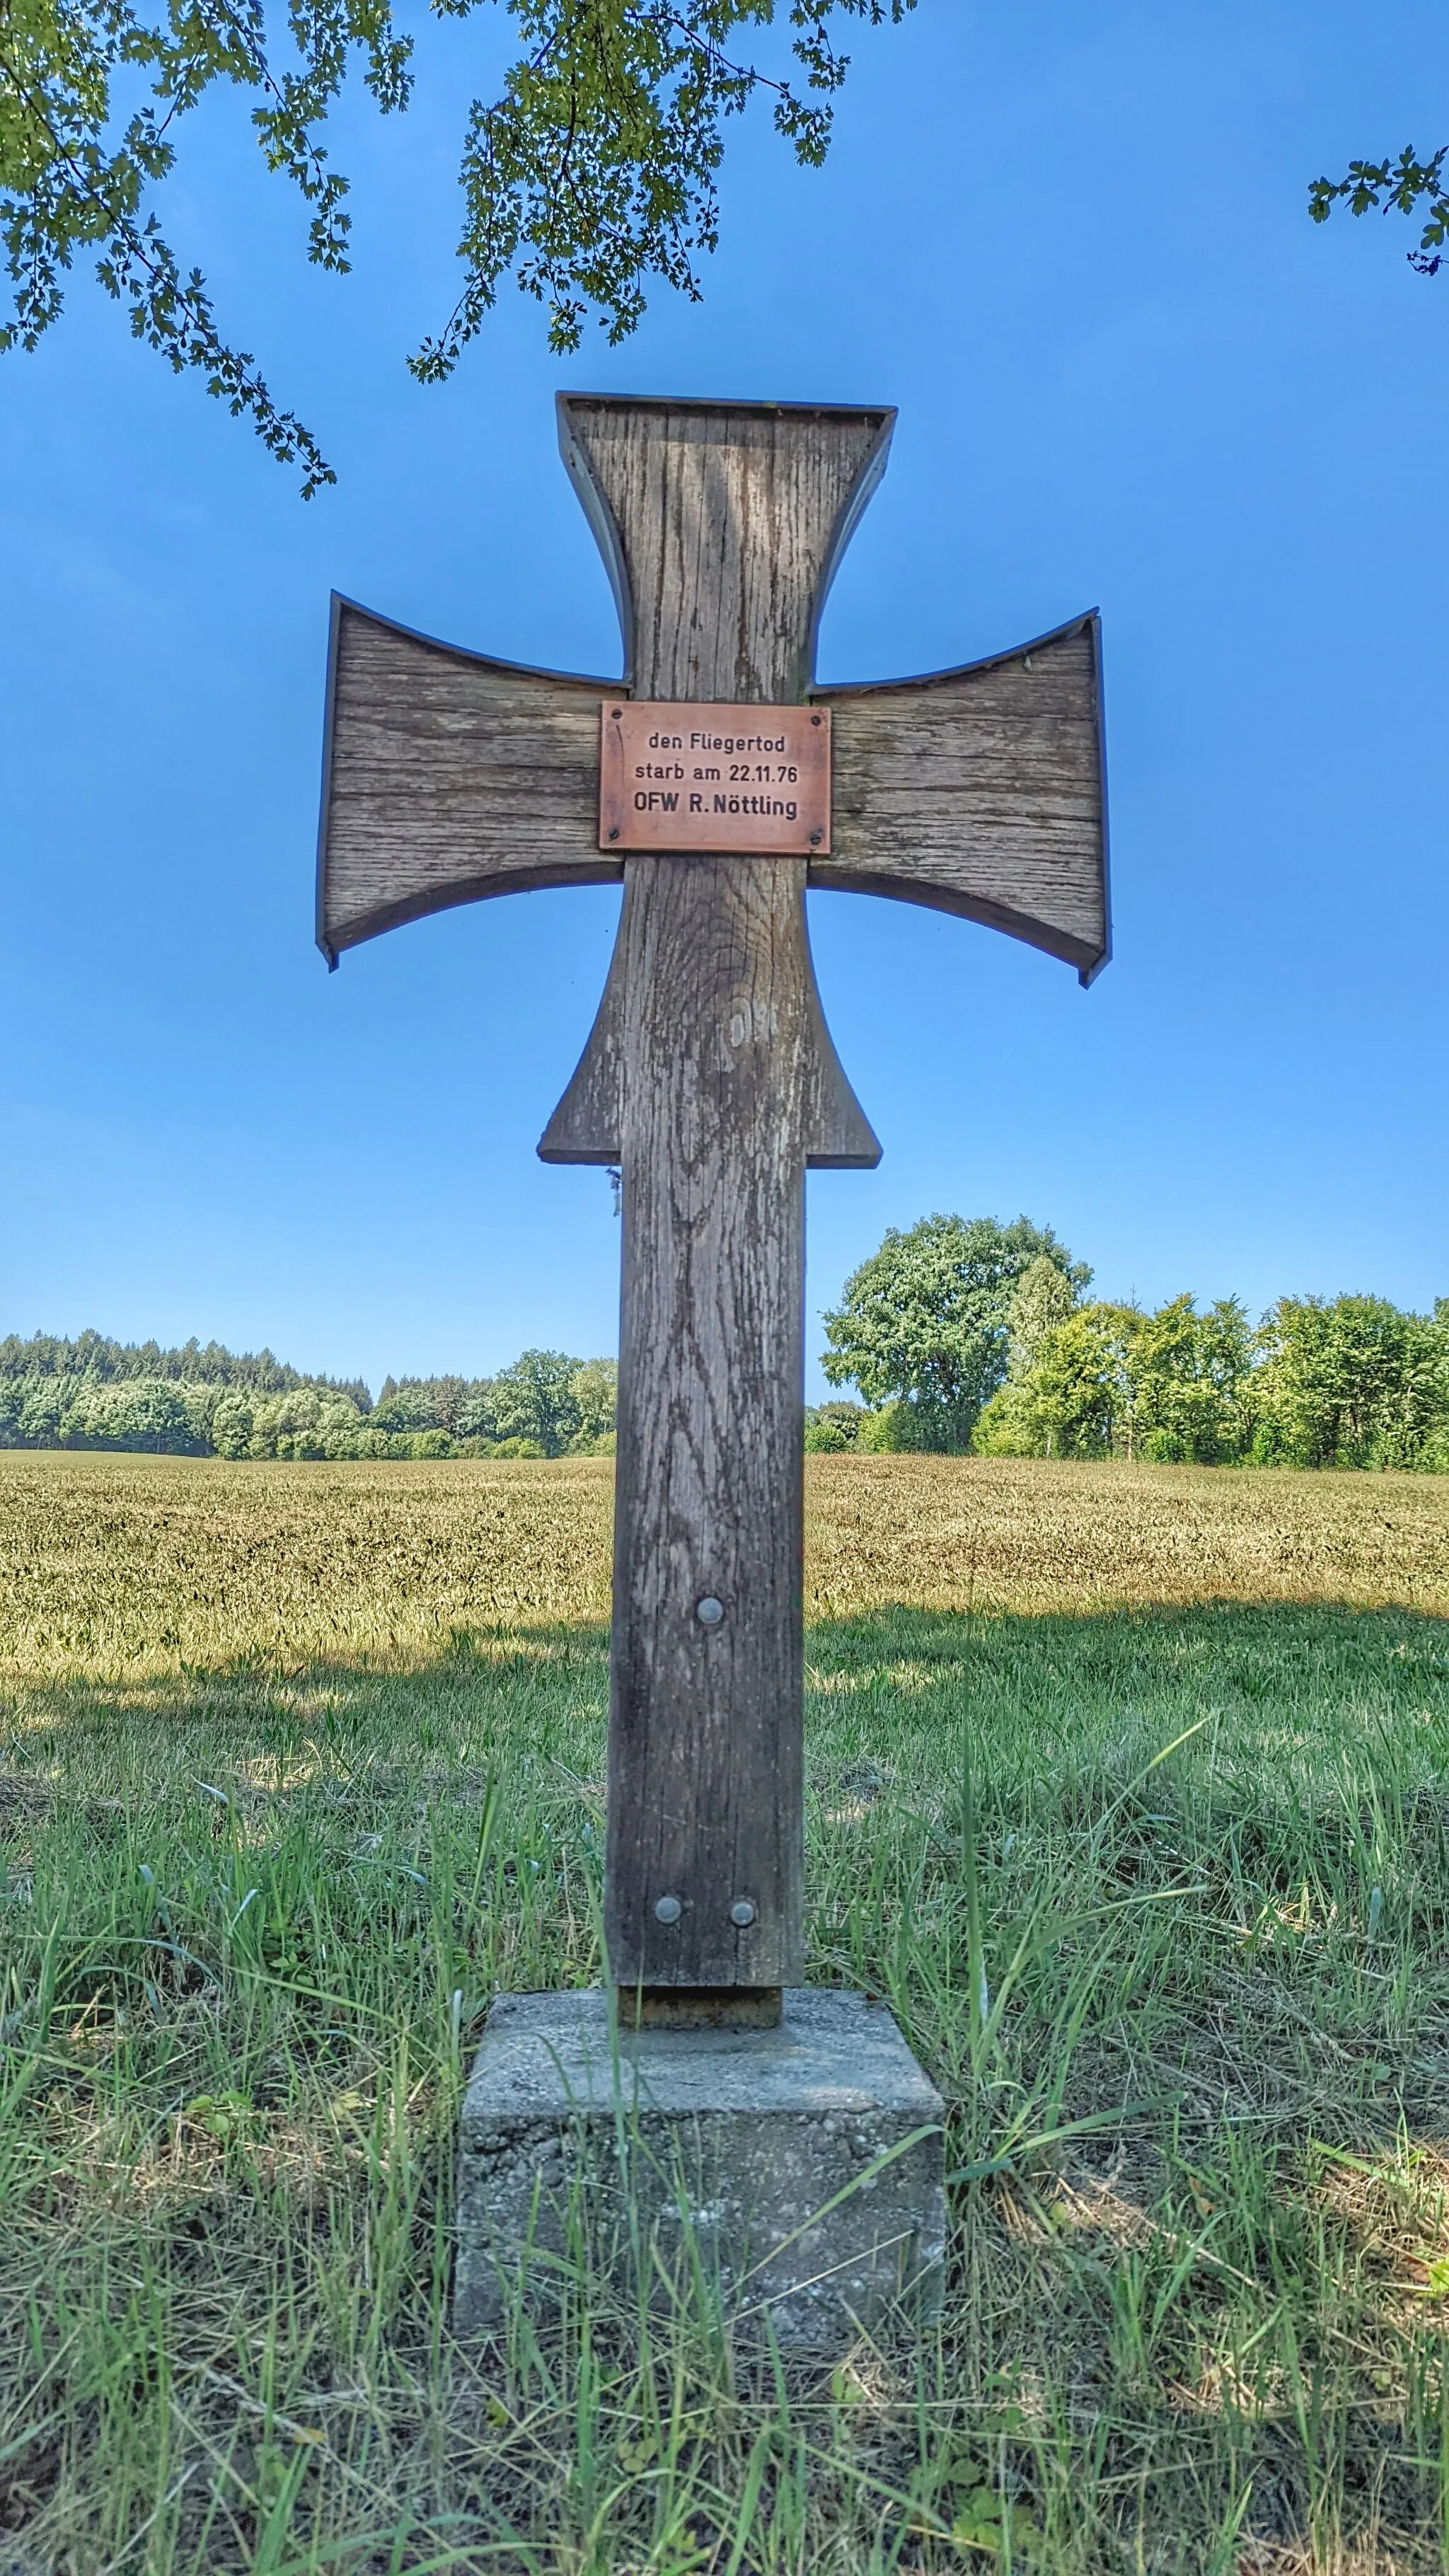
[714, 778]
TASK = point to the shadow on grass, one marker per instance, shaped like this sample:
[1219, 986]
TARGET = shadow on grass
[1312, 1732]
[1247, 1646]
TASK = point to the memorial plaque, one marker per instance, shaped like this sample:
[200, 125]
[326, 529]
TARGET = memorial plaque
[680, 777]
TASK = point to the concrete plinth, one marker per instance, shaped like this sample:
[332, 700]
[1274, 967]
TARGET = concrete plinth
[794, 2173]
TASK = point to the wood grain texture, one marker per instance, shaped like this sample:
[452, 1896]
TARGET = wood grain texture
[721, 525]
[448, 777]
[588, 1124]
[980, 792]
[705, 1798]
[711, 1079]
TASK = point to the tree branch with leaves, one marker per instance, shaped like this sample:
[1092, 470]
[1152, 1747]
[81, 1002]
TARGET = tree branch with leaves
[1394, 188]
[590, 177]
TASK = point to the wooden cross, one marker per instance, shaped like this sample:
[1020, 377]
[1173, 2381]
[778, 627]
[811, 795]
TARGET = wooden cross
[710, 1081]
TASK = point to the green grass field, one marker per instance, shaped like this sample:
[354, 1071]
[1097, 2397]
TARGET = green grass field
[1128, 1790]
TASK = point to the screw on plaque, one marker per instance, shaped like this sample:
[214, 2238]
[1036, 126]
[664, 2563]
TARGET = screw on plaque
[815, 840]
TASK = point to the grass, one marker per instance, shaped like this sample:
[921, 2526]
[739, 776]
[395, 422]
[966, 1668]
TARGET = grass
[1128, 1789]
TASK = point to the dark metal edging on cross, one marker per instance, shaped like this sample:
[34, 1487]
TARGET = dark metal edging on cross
[1088, 975]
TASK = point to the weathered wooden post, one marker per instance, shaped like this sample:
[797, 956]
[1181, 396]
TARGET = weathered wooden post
[718, 783]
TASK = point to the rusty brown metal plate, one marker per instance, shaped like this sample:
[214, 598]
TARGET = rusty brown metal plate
[714, 778]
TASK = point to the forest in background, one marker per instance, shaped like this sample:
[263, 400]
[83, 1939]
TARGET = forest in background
[957, 1335]
[198, 1402]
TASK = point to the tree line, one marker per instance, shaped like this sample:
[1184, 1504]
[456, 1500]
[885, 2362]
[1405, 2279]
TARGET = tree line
[957, 1335]
[91, 1393]
[970, 1335]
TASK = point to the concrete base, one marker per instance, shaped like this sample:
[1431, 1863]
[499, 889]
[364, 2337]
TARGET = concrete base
[767, 2171]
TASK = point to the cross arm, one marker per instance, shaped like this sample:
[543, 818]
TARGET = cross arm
[981, 791]
[447, 776]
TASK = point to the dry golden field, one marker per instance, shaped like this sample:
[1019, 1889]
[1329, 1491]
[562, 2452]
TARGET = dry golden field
[111, 1563]
[1129, 1789]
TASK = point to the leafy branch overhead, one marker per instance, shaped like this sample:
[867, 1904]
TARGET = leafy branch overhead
[1394, 187]
[591, 175]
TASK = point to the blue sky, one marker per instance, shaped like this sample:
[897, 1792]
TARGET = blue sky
[1072, 247]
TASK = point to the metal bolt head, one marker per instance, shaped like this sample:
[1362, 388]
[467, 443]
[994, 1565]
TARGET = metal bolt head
[668, 1910]
[709, 1612]
[815, 840]
[742, 1914]
[616, 712]
[815, 720]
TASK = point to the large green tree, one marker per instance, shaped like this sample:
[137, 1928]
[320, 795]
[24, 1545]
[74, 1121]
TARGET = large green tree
[591, 173]
[926, 1322]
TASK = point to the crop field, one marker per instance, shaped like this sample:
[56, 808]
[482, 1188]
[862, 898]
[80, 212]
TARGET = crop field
[1129, 1790]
